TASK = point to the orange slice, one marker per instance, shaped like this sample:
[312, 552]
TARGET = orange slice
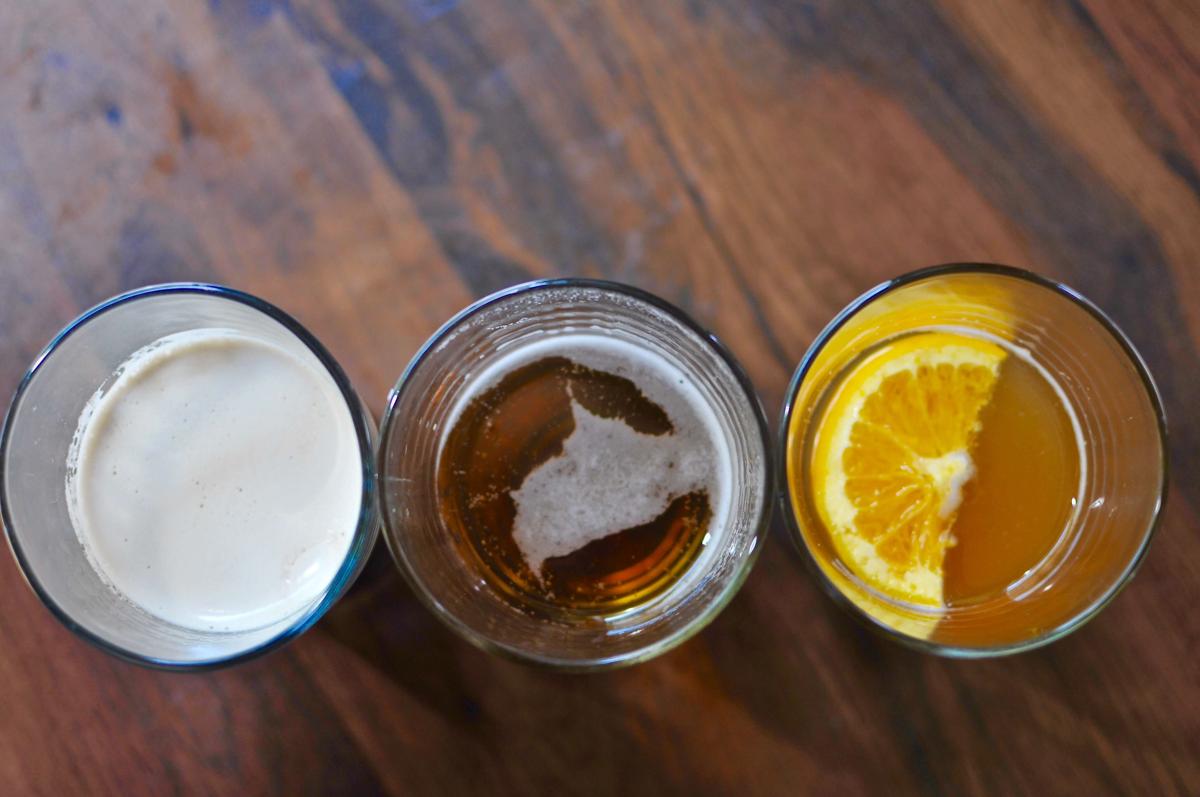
[892, 454]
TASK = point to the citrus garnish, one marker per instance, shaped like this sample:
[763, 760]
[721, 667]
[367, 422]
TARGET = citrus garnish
[893, 452]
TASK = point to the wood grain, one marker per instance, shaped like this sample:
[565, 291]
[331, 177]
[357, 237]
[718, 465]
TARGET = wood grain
[372, 166]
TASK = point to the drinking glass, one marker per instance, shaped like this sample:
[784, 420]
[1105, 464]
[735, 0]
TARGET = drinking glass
[33, 469]
[1121, 422]
[415, 424]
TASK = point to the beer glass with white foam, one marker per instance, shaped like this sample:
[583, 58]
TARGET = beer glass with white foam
[574, 473]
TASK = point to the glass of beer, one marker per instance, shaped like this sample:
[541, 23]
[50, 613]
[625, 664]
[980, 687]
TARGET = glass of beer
[187, 477]
[574, 473]
[975, 459]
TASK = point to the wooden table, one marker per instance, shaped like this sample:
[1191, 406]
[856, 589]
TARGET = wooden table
[374, 165]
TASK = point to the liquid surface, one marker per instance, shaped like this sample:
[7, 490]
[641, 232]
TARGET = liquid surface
[1021, 501]
[1017, 500]
[217, 481]
[583, 473]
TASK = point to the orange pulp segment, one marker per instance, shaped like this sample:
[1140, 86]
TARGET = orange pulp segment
[891, 455]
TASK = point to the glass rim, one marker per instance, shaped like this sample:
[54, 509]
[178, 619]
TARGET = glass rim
[600, 662]
[1078, 619]
[360, 546]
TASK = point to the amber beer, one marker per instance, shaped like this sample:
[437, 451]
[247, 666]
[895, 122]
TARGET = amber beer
[582, 475]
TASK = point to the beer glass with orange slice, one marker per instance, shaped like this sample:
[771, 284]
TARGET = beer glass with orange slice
[975, 459]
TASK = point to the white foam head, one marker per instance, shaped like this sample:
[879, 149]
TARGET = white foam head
[216, 482]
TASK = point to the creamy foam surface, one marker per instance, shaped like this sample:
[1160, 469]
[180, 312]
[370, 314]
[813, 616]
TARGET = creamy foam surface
[217, 481]
[610, 477]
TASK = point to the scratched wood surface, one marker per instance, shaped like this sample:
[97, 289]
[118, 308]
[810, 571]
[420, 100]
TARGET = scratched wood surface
[372, 166]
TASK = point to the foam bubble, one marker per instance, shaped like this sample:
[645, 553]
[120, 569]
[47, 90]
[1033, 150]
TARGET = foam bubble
[608, 478]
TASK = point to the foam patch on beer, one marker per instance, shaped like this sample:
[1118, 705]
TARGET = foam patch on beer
[608, 478]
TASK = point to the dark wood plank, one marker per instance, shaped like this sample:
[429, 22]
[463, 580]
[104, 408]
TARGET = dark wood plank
[372, 166]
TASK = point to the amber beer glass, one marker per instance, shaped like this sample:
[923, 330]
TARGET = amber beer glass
[574, 473]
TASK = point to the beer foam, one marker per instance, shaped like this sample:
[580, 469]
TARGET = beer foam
[610, 477]
[216, 482]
